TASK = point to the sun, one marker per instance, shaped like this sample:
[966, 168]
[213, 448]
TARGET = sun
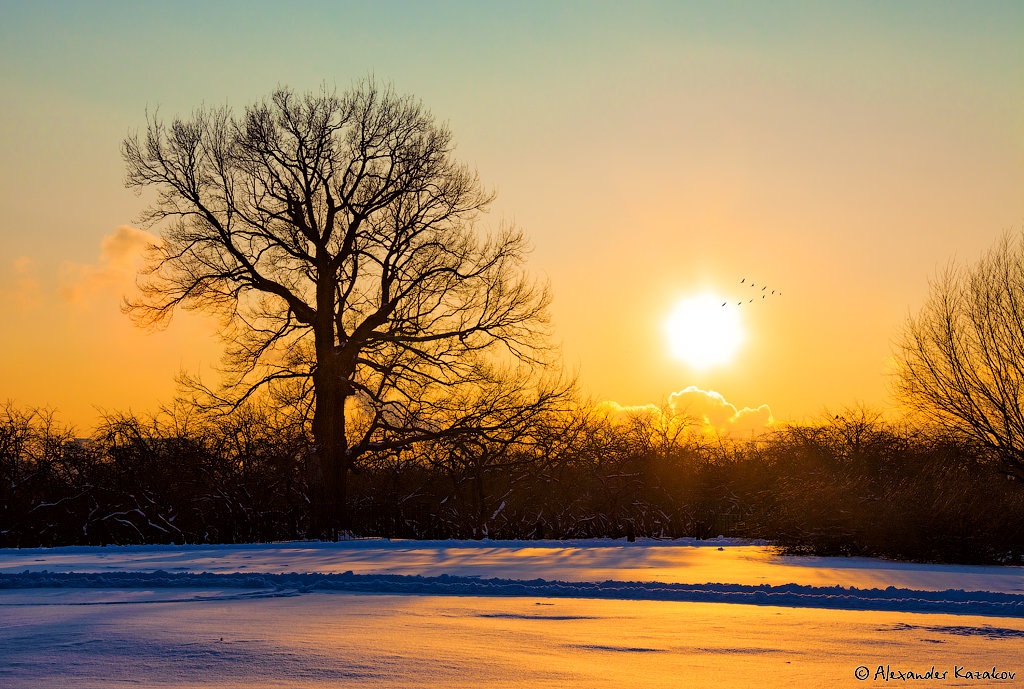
[703, 332]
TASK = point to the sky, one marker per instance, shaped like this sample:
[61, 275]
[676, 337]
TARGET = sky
[839, 153]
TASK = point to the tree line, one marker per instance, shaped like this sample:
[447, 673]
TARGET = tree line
[849, 484]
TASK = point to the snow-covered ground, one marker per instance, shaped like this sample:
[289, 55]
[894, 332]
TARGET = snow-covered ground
[684, 561]
[560, 614]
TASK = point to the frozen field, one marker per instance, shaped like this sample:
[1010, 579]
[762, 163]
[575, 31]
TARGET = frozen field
[559, 614]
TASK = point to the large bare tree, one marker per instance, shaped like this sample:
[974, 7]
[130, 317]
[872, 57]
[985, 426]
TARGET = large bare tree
[336, 236]
[960, 361]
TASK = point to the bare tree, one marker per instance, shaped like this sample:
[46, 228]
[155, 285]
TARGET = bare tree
[961, 359]
[336, 238]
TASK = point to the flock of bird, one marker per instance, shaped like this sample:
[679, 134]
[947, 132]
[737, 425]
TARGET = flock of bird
[764, 289]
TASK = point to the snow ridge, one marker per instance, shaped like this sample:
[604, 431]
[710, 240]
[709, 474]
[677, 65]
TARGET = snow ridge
[951, 601]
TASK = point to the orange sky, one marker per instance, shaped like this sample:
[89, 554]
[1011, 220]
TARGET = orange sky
[651, 152]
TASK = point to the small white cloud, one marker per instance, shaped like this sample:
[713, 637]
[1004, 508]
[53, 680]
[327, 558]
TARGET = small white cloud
[121, 255]
[711, 409]
[618, 413]
[749, 420]
[704, 411]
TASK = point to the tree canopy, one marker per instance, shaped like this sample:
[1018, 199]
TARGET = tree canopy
[961, 358]
[337, 238]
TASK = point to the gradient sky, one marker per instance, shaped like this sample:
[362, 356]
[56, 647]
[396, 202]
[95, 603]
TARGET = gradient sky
[652, 150]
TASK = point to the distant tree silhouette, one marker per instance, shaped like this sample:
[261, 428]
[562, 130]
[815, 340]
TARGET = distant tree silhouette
[961, 359]
[335, 235]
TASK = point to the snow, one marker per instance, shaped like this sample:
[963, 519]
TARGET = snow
[371, 613]
[685, 561]
[791, 595]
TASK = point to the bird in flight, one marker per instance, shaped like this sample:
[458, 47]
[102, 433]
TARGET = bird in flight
[764, 289]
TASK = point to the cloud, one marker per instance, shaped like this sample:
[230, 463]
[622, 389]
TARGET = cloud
[708, 412]
[120, 258]
[617, 413]
[711, 409]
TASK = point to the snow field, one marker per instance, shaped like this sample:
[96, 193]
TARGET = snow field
[346, 640]
[489, 614]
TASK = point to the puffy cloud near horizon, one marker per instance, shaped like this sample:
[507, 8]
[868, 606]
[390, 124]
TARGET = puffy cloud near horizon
[709, 411]
[121, 255]
[710, 408]
[619, 413]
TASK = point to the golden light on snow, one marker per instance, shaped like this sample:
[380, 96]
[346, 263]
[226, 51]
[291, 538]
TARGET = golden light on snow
[704, 331]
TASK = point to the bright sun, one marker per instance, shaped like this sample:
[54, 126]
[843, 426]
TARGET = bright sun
[704, 333]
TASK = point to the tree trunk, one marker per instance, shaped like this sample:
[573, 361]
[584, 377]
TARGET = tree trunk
[330, 509]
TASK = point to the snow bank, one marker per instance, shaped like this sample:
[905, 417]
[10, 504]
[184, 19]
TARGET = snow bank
[951, 601]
